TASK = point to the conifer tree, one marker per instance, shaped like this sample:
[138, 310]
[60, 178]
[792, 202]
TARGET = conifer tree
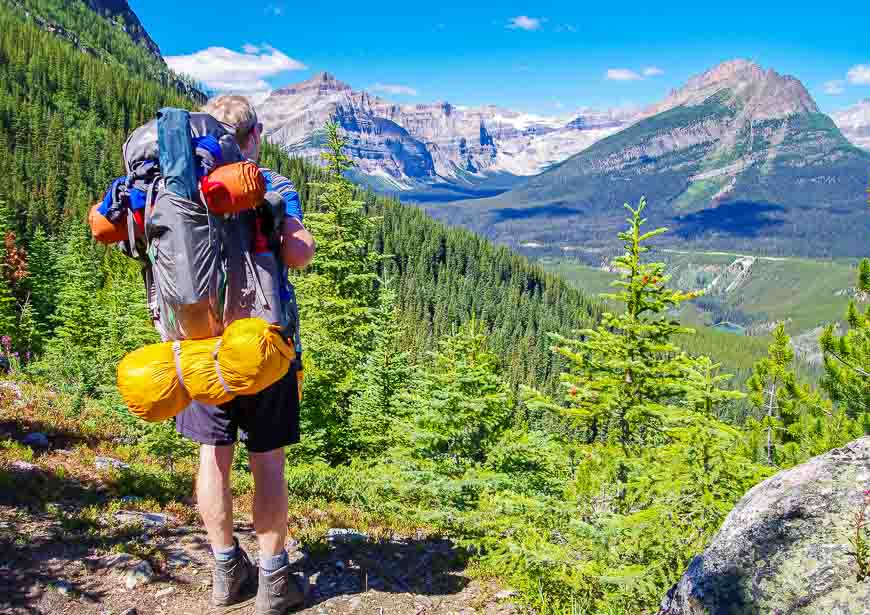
[8, 311]
[847, 357]
[43, 282]
[627, 375]
[704, 392]
[162, 441]
[337, 298]
[795, 422]
[461, 405]
[72, 353]
[772, 388]
[76, 317]
[386, 378]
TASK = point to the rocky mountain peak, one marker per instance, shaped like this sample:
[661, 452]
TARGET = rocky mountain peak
[322, 84]
[757, 93]
[401, 146]
[727, 73]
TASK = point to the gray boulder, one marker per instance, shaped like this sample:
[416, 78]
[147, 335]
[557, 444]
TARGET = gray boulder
[785, 549]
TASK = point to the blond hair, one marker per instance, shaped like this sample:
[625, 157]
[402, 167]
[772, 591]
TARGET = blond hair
[238, 112]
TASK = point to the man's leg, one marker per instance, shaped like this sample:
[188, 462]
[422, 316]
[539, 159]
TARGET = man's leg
[216, 429]
[233, 570]
[276, 593]
[214, 496]
[271, 422]
[270, 502]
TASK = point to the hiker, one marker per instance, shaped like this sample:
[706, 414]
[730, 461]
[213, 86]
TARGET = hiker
[266, 422]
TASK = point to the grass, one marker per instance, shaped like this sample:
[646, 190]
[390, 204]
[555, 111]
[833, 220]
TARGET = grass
[591, 280]
[83, 500]
[801, 292]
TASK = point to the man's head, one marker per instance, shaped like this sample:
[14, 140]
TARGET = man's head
[238, 112]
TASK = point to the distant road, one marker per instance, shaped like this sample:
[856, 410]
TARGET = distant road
[735, 254]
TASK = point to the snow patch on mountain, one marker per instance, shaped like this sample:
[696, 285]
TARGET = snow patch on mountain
[854, 123]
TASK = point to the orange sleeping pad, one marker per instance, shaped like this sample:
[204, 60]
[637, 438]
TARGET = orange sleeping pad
[233, 188]
[103, 230]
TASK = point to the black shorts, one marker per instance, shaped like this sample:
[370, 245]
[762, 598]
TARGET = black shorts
[267, 420]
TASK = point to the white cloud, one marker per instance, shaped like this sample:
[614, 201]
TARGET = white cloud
[524, 22]
[652, 71]
[224, 70]
[859, 74]
[395, 90]
[622, 74]
[835, 87]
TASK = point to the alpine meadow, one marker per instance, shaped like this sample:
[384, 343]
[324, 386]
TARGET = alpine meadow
[487, 427]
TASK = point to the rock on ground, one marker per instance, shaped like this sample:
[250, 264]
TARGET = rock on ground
[140, 574]
[107, 463]
[145, 519]
[785, 547]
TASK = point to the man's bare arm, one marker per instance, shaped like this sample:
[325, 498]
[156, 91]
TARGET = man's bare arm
[297, 244]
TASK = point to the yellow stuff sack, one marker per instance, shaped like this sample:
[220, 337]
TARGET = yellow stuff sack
[160, 380]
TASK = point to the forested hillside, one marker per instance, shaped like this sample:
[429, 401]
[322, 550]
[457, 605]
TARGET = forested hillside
[64, 116]
[587, 490]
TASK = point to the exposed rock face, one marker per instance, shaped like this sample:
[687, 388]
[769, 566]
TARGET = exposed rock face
[762, 94]
[404, 146]
[785, 547]
[855, 123]
[121, 13]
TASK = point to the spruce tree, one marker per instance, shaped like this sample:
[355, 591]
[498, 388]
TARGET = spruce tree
[847, 357]
[704, 387]
[461, 405]
[795, 421]
[626, 376]
[43, 281]
[8, 314]
[386, 378]
[337, 298]
[772, 389]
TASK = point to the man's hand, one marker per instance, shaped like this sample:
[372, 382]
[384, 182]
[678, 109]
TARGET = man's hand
[297, 244]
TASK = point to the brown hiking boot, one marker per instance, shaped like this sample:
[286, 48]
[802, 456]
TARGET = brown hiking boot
[231, 578]
[280, 591]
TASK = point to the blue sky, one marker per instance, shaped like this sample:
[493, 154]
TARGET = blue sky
[545, 57]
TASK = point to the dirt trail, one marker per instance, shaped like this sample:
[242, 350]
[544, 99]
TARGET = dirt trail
[40, 572]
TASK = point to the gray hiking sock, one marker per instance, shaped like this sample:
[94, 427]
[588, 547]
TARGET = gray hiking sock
[226, 555]
[273, 563]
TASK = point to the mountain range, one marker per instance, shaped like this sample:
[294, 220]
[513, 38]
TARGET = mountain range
[430, 151]
[440, 151]
[738, 158]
